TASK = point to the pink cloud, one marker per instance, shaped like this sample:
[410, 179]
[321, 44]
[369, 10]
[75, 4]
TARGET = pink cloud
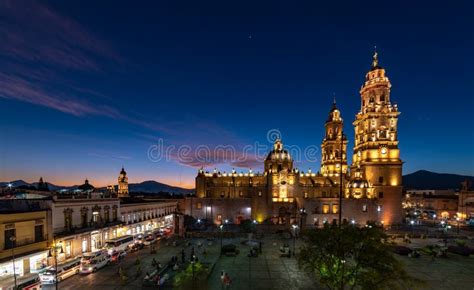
[32, 32]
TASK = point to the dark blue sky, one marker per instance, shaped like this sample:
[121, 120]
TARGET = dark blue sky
[85, 89]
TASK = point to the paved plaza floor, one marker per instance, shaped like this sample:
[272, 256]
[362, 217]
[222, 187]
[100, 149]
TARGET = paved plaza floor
[268, 270]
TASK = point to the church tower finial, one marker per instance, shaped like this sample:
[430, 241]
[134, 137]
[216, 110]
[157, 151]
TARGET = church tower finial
[333, 100]
[375, 58]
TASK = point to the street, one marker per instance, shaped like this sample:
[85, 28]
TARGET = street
[108, 277]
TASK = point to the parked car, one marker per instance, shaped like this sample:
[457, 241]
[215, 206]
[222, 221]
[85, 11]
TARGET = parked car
[64, 271]
[117, 256]
[94, 264]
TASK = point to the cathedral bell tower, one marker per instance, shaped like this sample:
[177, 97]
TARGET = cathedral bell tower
[333, 156]
[122, 184]
[376, 154]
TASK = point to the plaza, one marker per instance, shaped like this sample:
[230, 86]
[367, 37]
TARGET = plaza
[266, 271]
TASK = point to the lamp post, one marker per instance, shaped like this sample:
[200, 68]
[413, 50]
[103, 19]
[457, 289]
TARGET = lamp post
[221, 228]
[12, 240]
[302, 214]
[250, 262]
[193, 260]
[295, 227]
[340, 178]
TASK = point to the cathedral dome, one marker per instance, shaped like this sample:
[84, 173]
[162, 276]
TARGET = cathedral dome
[278, 153]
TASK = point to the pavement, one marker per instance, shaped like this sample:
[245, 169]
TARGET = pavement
[108, 277]
[268, 270]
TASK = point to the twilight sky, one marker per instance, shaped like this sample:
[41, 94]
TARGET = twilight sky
[87, 88]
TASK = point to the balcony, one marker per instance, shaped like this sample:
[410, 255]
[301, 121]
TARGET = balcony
[23, 246]
[91, 227]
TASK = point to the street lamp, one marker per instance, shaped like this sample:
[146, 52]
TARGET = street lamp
[340, 178]
[302, 214]
[12, 240]
[295, 227]
[221, 228]
[457, 223]
[193, 260]
[51, 251]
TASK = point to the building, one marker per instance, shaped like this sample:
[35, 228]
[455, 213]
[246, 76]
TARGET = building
[466, 202]
[416, 192]
[282, 194]
[427, 205]
[122, 184]
[138, 216]
[23, 243]
[84, 223]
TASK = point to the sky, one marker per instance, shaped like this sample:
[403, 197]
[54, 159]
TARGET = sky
[165, 87]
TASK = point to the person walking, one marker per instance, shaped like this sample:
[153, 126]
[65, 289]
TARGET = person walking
[227, 281]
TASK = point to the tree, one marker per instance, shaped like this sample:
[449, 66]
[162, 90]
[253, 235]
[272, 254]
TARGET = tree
[351, 257]
[247, 226]
[192, 277]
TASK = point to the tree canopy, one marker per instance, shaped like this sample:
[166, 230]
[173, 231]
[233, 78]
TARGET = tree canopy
[352, 257]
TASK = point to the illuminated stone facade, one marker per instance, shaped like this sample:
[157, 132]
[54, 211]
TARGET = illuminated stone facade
[376, 158]
[282, 194]
[122, 184]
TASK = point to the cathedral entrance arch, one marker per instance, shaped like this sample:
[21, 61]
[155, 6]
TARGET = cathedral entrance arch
[283, 214]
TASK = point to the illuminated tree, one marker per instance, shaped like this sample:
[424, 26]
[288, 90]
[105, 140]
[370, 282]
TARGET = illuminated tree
[351, 257]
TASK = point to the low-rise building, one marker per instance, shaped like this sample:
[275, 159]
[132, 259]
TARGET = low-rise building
[23, 243]
[413, 192]
[466, 202]
[83, 223]
[431, 205]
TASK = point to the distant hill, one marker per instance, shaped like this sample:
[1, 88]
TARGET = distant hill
[149, 186]
[424, 179]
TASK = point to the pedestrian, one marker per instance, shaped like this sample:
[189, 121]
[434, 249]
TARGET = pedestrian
[227, 280]
[260, 246]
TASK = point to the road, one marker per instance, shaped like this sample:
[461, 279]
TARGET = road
[108, 277]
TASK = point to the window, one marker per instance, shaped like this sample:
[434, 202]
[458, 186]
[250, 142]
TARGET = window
[222, 194]
[259, 193]
[9, 243]
[199, 205]
[95, 217]
[241, 194]
[364, 208]
[305, 194]
[335, 208]
[106, 214]
[381, 194]
[325, 208]
[380, 179]
[84, 211]
[39, 233]
[219, 217]
[114, 213]
[68, 219]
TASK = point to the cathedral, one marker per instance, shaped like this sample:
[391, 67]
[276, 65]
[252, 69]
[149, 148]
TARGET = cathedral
[371, 187]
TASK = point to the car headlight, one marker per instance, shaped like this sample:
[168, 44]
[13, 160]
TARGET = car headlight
[90, 268]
